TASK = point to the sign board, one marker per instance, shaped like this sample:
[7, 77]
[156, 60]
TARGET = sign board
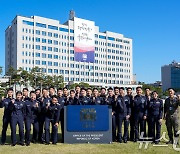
[87, 124]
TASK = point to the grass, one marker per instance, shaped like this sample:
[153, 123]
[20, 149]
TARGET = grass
[130, 147]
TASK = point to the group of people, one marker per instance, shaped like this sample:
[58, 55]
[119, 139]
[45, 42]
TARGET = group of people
[42, 109]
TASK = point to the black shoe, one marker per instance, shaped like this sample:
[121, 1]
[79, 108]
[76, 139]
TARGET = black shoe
[2, 143]
[125, 141]
[135, 140]
[47, 143]
[156, 142]
[22, 144]
[120, 141]
[27, 144]
[13, 145]
[170, 142]
[54, 143]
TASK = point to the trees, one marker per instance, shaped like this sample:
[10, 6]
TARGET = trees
[1, 70]
[81, 84]
[158, 89]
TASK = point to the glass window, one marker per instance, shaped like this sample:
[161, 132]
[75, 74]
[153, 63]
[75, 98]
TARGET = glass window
[43, 62]
[111, 38]
[71, 31]
[49, 63]
[55, 70]
[37, 39]
[40, 25]
[38, 47]
[49, 34]
[49, 70]
[37, 54]
[37, 62]
[55, 35]
[43, 33]
[55, 56]
[55, 49]
[38, 32]
[53, 27]
[50, 56]
[55, 63]
[55, 42]
[102, 37]
[43, 55]
[49, 41]
[63, 29]
[49, 48]
[43, 40]
[44, 48]
[28, 23]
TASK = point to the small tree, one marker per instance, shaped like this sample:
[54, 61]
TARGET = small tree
[1, 70]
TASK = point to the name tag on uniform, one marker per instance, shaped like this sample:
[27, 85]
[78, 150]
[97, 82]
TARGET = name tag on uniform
[170, 108]
[158, 102]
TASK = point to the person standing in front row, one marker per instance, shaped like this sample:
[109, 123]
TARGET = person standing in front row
[110, 100]
[17, 118]
[7, 113]
[155, 113]
[52, 114]
[171, 114]
[140, 112]
[32, 110]
[131, 98]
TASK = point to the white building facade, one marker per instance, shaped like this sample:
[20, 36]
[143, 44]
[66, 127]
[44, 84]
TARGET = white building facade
[48, 44]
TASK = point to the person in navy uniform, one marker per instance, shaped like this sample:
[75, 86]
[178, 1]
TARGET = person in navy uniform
[52, 91]
[72, 100]
[41, 118]
[7, 113]
[78, 91]
[127, 118]
[89, 92]
[171, 114]
[110, 100]
[121, 113]
[38, 93]
[148, 98]
[32, 110]
[140, 112]
[116, 91]
[131, 119]
[25, 94]
[61, 101]
[103, 93]
[83, 99]
[96, 99]
[52, 116]
[155, 113]
[17, 107]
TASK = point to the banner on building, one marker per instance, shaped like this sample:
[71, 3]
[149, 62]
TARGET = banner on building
[84, 40]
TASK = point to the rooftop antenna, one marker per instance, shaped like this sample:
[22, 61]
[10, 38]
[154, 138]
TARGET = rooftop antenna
[71, 14]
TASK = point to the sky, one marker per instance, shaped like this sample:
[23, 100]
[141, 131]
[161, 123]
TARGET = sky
[154, 26]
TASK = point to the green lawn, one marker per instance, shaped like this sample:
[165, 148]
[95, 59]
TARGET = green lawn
[130, 147]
